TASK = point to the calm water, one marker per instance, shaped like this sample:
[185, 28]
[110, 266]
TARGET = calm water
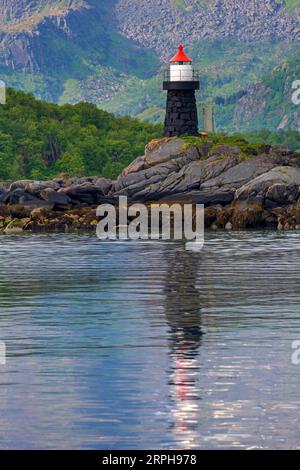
[145, 345]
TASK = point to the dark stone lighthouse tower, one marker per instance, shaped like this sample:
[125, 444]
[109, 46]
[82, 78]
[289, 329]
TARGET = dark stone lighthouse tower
[181, 83]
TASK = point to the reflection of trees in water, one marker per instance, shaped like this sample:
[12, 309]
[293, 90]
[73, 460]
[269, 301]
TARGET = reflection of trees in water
[183, 315]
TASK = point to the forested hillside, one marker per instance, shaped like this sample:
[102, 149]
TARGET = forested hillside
[40, 139]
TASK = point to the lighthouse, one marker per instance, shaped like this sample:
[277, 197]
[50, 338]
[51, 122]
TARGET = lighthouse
[180, 83]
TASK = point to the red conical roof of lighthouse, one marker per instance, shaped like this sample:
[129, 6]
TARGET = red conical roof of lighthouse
[180, 56]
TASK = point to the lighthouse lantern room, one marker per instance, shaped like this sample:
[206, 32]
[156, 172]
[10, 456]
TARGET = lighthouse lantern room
[181, 83]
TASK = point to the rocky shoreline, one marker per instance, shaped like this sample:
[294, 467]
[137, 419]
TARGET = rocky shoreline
[241, 186]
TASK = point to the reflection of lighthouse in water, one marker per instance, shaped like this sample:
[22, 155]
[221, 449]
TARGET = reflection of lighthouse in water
[182, 308]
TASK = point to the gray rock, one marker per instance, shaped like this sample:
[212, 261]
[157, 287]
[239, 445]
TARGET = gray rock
[19, 196]
[197, 173]
[36, 187]
[162, 150]
[238, 175]
[138, 181]
[129, 180]
[4, 187]
[189, 177]
[137, 165]
[103, 184]
[3, 191]
[19, 185]
[60, 201]
[80, 180]
[282, 194]
[260, 185]
[33, 187]
[85, 193]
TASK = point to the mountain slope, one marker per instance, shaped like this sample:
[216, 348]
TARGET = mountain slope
[246, 92]
[161, 24]
[54, 41]
[269, 103]
[111, 52]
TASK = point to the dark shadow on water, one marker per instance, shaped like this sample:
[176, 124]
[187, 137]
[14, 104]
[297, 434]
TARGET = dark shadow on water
[183, 315]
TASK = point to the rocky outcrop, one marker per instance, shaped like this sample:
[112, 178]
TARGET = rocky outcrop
[198, 172]
[240, 186]
[23, 22]
[57, 194]
[194, 20]
[261, 186]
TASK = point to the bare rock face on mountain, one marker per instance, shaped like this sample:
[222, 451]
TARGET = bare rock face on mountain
[23, 27]
[160, 24]
[27, 25]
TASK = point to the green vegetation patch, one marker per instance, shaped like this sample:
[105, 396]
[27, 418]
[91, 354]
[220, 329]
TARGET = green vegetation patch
[39, 140]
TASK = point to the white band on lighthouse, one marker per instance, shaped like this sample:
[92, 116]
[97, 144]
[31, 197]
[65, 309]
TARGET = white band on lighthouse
[181, 72]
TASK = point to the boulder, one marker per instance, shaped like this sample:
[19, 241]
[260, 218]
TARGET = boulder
[194, 175]
[85, 193]
[36, 187]
[238, 175]
[21, 184]
[182, 180]
[260, 185]
[138, 164]
[163, 150]
[58, 200]
[103, 184]
[228, 226]
[3, 193]
[134, 182]
[21, 197]
[283, 194]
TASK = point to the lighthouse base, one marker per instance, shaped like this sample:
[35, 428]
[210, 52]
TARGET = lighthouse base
[181, 113]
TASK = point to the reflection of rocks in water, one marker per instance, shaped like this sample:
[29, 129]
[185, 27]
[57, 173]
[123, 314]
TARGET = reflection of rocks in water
[183, 315]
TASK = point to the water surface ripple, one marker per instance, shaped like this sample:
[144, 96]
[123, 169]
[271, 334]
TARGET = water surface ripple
[132, 345]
